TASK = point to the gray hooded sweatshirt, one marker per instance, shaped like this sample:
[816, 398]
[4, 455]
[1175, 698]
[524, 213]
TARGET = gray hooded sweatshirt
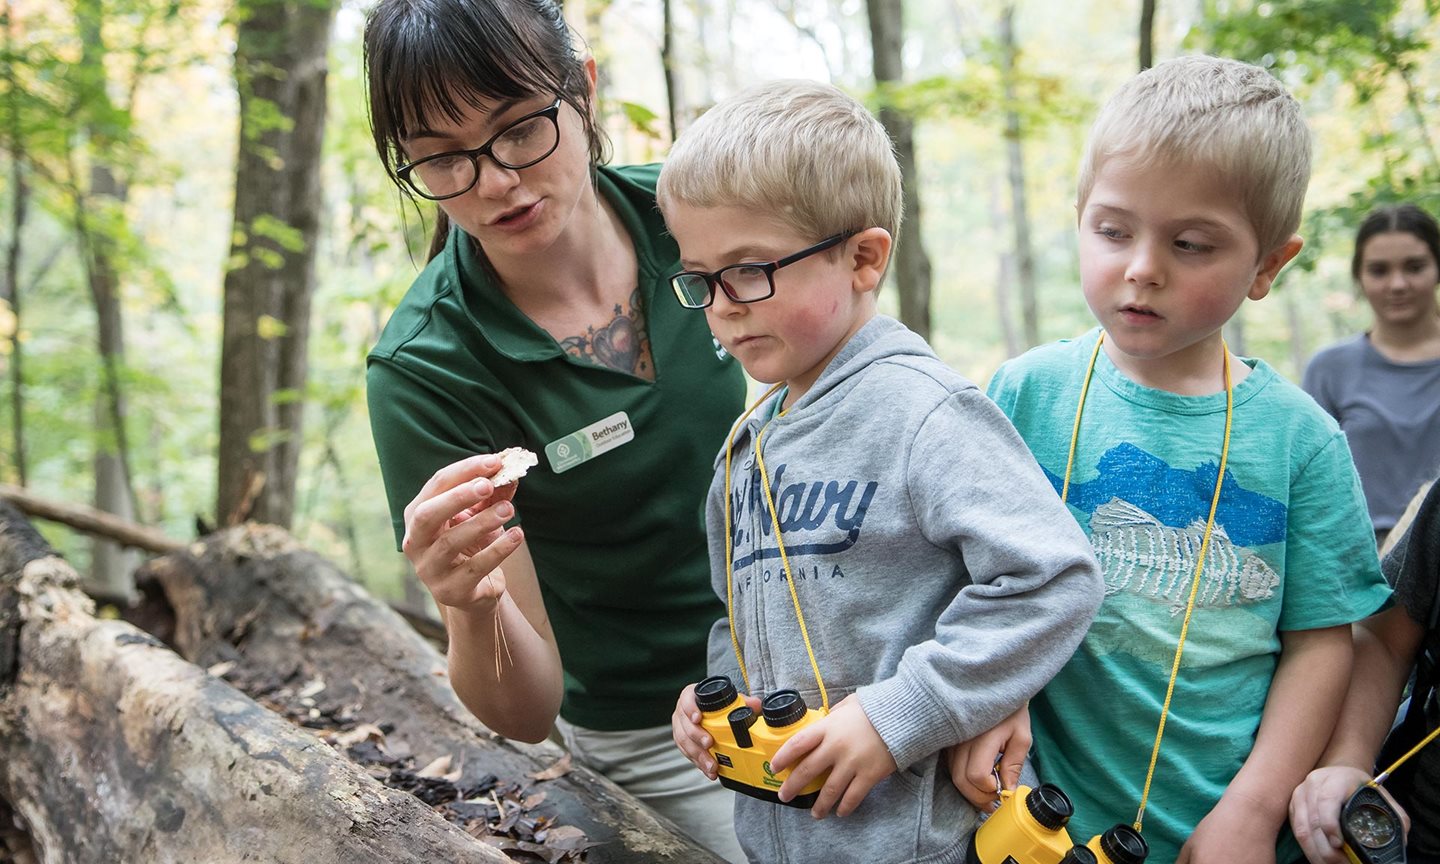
[941, 580]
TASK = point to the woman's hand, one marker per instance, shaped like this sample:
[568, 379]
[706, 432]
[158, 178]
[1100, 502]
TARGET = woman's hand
[455, 536]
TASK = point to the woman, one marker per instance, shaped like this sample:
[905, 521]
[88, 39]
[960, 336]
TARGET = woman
[1387, 647]
[1384, 386]
[542, 321]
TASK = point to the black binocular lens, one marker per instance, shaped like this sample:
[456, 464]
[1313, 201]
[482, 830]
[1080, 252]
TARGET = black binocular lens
[1124, 845]
[714, 693]
[1079, 855]
[782, 708]
[1050, 807]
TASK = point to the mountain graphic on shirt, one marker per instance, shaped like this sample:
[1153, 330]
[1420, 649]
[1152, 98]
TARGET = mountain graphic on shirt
[1177, 497]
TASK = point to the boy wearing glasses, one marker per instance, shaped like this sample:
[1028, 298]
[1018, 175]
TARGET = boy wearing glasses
[940, 581]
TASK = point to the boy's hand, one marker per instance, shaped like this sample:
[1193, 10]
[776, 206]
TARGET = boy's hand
[691, 737]
[843, 743]
[1315, 811]
[974, 763]
[1236, 830]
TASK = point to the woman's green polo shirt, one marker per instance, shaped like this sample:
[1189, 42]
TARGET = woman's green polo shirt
[612, 513]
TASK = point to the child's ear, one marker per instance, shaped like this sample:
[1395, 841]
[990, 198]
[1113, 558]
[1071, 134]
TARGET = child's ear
[869, 255]
[1271, 264]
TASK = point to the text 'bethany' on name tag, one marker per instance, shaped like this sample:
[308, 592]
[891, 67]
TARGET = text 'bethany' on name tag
[585, 444]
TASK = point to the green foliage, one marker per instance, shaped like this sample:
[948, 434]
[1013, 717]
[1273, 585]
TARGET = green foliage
[1345, 34]
[160, 111]
[641, 119]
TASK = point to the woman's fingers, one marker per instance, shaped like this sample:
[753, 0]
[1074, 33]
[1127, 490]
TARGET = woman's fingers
[460, 542]
[455, 568]
[457, 473]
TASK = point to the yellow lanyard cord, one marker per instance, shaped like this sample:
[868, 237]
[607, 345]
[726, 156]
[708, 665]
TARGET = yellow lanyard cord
[1199, 564]
[1385, 775]
[1079, 409]
[784, 558]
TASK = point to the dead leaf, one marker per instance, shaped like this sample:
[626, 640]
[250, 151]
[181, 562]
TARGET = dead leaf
[312, 689]
[362, 732]
[561, 767]
[533, 801]
[220, 670]
[436, 769]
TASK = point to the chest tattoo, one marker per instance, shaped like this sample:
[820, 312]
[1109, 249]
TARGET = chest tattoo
[621, 345]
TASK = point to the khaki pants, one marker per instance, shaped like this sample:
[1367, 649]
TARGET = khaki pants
[647, 764]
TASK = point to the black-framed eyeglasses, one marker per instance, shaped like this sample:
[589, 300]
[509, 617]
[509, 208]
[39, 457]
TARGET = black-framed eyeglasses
[742, 283]
[519, 145]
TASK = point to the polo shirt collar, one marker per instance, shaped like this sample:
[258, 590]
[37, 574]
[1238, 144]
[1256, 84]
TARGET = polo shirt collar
[500, 321]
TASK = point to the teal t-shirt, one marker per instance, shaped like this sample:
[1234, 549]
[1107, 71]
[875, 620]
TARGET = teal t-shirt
[612, 513]
[1292, 549]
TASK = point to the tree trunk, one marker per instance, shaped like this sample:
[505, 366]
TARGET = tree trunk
[1147, 34]
[1005, 278]
[912, 265]
[1019, 210]
[667, 64]
[20, 198]
[280, 71]
[96, 213]
[114, 749]
[110, 565]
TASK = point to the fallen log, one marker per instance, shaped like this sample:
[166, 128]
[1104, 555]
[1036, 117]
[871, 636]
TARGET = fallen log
[290, 628]
[135, 535]
[113, 748]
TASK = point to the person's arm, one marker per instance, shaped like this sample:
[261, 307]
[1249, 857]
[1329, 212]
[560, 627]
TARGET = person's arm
[1385, 649]
[1318, 381]
[1305, 695]
[504, 663]
[1034, 584]
[452, 532]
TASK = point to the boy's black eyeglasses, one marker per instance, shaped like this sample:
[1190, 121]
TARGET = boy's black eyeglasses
[742, 283]
[519, 145]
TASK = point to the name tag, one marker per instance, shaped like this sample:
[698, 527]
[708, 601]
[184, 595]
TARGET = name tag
[585, 444]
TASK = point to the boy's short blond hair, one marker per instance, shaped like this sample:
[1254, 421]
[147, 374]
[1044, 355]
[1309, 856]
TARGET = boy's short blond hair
[801, 151]
[1217, 114]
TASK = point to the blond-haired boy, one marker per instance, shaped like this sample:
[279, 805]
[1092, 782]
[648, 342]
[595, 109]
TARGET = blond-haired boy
[940, 581]
[1190, 194]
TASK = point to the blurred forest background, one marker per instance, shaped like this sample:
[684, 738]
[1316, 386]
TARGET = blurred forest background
[199, 244]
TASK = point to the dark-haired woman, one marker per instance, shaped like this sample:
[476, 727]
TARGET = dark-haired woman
[542, 321]
[1383, 386]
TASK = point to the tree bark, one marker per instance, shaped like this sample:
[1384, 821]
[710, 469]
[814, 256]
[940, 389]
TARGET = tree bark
[97, 211]
[1147, 34]
[912, 264]
[114, 749]
[252, 595]
[20, 198]
[280, 71]
[1019, 210]
[1005, 278]
[667, 64]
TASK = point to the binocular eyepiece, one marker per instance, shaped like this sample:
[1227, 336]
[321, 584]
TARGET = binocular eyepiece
[1032, 831]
